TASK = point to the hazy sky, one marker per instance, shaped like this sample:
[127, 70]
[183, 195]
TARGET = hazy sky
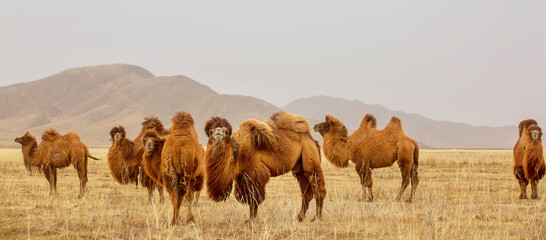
[479, 62]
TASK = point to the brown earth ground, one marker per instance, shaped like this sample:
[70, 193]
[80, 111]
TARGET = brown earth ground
[463, 194]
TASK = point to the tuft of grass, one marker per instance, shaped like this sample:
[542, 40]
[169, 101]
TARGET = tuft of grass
[462, 194]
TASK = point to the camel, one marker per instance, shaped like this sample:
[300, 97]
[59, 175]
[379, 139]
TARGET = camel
[56, 151]
[149, 124]
[123, 159]
[371, 148]
[258, 151]
[529, 165]
[176, 162]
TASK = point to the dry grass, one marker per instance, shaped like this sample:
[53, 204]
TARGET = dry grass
[462, 195]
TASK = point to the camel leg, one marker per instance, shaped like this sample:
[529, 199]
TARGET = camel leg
[197, 195]
[160, 191]
[534, 192]
[306, 192]
[189, 201]
[51, 175]
[520, 176]
[176, 201]
[319, 190]
[150, 188]
[405, 170]
[365, 174]
[82, 174]
[414, 182]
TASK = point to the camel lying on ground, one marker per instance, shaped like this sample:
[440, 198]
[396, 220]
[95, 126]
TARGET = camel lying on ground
[260, 150]
[371, 148]
[529, 166]
[56, 151]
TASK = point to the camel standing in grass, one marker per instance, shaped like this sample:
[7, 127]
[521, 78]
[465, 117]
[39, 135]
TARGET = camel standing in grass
[177, 162]
[149, 124]
[123, 159]
[260, 150]
[371, 148]
[56, 151]
[529, 165]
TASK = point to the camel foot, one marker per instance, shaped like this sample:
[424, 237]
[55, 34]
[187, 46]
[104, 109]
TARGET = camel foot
[250, 221]
[316, 218]
[301, 218]
[522, 196]
[534, 197]
[409, 201]
[190, 219]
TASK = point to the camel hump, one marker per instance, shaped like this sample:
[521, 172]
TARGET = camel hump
[395, 123]
[50, 135]
[368, 121]
[261, 135]
[525, 124]
[217, 122]
[152, 122]
[290, 121]
[181, 119]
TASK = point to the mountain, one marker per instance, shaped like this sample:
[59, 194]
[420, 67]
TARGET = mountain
[436, 134]
[91, 100]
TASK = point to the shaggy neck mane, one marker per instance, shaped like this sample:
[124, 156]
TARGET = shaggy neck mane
[220, 169]
[533, 158]
[336, 148]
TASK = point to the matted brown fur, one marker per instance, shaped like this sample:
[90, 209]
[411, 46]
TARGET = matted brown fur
[150, 123]
[260, 150]
[529, 165]
[371, 148]
[182, 164]
[123, 159]
[56, 151]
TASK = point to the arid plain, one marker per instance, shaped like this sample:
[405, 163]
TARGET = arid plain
[463, 194]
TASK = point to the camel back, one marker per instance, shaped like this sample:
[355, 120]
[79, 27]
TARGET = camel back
[290, 121]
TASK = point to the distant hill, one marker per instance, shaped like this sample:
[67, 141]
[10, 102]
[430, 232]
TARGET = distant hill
[91, 100]
[431, 133]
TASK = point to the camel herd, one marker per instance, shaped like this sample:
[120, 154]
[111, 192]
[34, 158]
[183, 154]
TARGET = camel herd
[242, 162]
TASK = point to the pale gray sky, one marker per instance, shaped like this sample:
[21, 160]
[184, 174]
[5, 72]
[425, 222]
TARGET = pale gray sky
[478, 62]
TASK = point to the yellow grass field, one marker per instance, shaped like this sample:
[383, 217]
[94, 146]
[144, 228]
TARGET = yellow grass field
[463, 194]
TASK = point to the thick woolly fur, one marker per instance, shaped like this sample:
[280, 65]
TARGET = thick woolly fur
[182, 164]
[260, 150]
[369, 148]
[529, 165]
[152, 124]
[56, 151]
[123, 158]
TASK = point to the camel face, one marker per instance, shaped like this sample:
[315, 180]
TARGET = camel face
[535, 133]
[27, 138]
[219, 134]
[117, 138]
[321, 128]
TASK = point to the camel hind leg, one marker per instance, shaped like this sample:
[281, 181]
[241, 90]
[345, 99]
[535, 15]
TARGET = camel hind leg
[414, 182]
[312, 171]
[534, 192]
[405, 170]
[81, 167]
[319, 190]
[306, 192]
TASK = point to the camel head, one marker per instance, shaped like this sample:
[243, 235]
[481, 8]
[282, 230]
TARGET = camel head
[152, 142]
[117, 134]
[331, 124]
[26, 139]
[218, 129]
[535, 133]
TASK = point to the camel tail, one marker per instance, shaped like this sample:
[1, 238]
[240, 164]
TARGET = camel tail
[416, 156]
[87, 154]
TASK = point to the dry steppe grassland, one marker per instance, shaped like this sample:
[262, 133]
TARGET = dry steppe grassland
[463, 194]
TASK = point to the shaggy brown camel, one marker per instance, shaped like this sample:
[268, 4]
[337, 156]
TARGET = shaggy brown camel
[529, 166]
[371, 148]
[149, 124]
[260, 150]
[123, 160]
[56, 151]
[177, 162]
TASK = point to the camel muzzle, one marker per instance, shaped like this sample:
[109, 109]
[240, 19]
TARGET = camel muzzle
[534, 135]
[149, 146]
[117, 137]
[219, 134]
[17, 140]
